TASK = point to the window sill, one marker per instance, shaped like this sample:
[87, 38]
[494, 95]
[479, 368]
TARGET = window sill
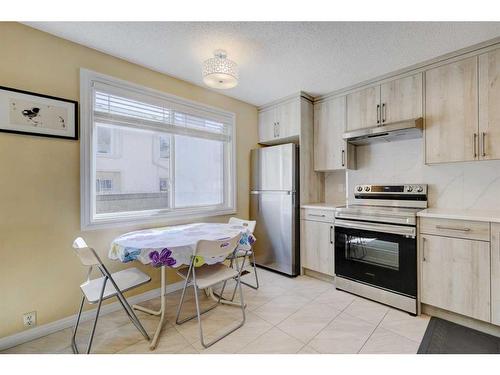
[171, 218]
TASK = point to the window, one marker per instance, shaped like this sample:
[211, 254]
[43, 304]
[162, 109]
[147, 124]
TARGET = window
[163, 184]
[104, 142]
[103, 185]
[164, 144]
[149, 155]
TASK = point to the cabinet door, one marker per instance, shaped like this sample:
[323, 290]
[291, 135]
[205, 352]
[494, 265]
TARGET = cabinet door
[329, 126]
[489, 105]
[495, 273]
[317, 250]
[288, 119]
[451, 112]
[362, 109]
[401, 99]
[456, 275]
[267, 130]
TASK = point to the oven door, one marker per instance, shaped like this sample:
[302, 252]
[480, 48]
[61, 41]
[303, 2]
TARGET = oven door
[381, 255]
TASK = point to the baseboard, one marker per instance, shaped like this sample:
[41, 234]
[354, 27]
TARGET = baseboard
[47, 329]
[462, 320]
[318, 275]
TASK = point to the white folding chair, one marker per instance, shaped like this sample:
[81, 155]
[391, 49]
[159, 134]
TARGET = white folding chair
[207, 276]
[98, 290]
[243, 254]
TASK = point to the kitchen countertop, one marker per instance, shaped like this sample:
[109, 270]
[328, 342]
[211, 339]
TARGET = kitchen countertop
[461, 214]
[322, 205]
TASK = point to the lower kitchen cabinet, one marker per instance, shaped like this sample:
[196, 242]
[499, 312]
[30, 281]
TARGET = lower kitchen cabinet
[495, 273]
[455, 275]
[316, 243]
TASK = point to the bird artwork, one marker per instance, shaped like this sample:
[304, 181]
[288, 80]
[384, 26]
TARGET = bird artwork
[22, 112]
[32, 114]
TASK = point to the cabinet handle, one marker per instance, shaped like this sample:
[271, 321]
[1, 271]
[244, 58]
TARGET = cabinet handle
[317, 215]
[423, 249]
[483, 145]
[378, 113]
[278, 127]
[452, 228]
[331, 237]
[383, 112]
[343, 158]
[475, 146]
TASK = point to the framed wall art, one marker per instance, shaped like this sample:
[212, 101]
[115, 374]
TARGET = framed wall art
[24, 112]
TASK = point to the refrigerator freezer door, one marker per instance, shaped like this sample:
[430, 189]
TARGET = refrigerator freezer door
[276, 230]
[274, 168]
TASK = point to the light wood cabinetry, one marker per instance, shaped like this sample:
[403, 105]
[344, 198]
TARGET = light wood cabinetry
[363, 108]
[451, 112]
[495, 273]
[267, 127]
[288, 119]
[455, 275]
[280, 122]
[468, 229]
[401, 99]
[316, 243]
[489, 105]
[397, 100]
[331, 152]
[317, 214]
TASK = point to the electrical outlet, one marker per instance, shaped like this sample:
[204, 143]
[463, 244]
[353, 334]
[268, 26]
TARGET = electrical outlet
[29, 319]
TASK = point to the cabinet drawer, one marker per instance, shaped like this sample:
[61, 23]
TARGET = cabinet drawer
[326, 216]
[474, 230]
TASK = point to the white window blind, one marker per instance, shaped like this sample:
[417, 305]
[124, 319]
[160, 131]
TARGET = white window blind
[116, 106]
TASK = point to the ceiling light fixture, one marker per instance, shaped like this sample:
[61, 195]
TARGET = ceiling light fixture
[219, 72]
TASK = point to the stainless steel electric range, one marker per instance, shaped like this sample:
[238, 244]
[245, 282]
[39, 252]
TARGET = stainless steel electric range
[376, 244]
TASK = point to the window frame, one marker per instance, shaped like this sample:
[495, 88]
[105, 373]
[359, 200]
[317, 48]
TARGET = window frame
[88, 220]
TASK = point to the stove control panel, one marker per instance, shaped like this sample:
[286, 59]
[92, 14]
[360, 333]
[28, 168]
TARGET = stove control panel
[391, 189]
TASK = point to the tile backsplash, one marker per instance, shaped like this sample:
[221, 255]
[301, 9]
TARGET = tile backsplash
[473, 185]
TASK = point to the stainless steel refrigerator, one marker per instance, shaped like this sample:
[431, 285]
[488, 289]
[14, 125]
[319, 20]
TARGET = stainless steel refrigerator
[274, 206]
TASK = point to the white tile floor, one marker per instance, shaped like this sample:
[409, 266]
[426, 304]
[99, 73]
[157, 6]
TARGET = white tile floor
[286, 315]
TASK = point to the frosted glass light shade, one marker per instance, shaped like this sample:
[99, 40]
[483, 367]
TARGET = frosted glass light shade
[219, 72]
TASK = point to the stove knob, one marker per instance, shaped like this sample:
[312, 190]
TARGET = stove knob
[409, 189]
[359, 188]
[367, 188]
[420, 189]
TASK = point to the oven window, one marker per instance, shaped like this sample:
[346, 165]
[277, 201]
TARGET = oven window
[372, 251]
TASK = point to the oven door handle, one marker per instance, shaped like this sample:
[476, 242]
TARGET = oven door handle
[401, 220]
[383, 228]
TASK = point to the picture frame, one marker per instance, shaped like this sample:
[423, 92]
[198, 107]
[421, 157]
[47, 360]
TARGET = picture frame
[31, 113]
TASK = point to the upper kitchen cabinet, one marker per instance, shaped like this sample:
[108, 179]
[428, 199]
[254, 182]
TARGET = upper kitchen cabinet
[451, 112]
[401, 99]
[281, 122]
[330, 150]
[489, 105]
[363, 108]
[397, 100]
[267, 125]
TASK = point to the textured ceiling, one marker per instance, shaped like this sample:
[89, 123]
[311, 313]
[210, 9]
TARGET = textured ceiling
[277, 59]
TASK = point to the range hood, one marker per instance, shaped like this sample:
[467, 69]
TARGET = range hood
[395, 131]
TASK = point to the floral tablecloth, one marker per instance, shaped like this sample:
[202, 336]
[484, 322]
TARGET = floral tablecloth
[174, 246]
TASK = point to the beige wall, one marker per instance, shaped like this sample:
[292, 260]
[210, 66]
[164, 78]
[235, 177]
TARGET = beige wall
[40, 177]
